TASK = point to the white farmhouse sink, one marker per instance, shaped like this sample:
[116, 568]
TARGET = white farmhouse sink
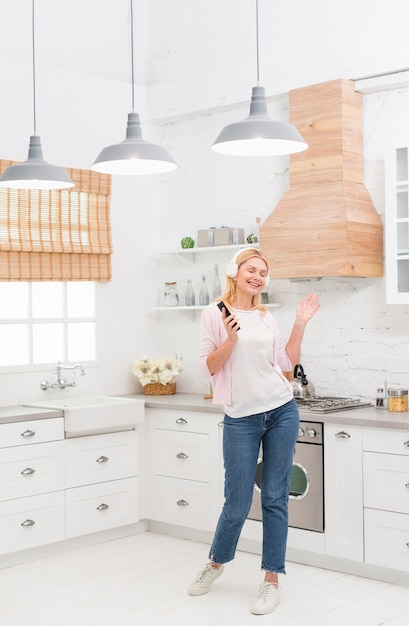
[95, 414]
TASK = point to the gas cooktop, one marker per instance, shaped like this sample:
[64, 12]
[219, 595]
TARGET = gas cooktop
[323, 404]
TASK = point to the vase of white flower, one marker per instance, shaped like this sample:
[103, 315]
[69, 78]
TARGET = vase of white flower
[157, 375]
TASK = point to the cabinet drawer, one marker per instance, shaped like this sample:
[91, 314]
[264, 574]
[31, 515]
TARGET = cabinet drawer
[185, 421]
[387, 539]
[30, 522]
[181, 502]
[386, 482]
[181, 455]
[31, 470]
[101, 458]
[34, 431]
[388, 441]
[99, 507]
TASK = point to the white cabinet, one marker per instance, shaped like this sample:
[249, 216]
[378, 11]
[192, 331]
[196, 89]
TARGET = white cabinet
[32, 483]
[101, 480]
[185, 467]
[397, 225]
[343, 491]
[386, 497]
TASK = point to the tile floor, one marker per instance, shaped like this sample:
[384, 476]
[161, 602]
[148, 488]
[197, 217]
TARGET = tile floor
[141, 580]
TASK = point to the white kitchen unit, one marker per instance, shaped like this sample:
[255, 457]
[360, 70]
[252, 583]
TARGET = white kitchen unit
[343, 491]
[32, 483]
[101, 482]
[386, 497]
[186, 478]
[397, 225]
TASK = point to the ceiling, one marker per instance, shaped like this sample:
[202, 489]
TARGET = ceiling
[89, 36]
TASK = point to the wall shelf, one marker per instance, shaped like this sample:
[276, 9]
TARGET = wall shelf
[268, 305]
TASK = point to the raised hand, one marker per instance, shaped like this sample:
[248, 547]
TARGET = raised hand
[307, 308]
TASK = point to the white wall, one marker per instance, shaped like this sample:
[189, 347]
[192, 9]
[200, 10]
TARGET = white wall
[199, 78]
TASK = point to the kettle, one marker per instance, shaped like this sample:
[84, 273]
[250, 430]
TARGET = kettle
[301, 387]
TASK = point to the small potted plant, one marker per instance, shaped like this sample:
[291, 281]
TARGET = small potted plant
[157, 376]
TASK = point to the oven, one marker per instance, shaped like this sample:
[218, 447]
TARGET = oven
[306, 497]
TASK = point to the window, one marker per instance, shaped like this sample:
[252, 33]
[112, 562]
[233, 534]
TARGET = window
[43, 322]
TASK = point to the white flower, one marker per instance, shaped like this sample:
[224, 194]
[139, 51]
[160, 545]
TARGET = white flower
[162, 370]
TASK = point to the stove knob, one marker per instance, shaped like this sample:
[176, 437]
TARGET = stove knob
[312, 433]
[300, 432]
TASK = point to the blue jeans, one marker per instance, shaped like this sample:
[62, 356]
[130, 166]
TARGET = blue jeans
[276, 431]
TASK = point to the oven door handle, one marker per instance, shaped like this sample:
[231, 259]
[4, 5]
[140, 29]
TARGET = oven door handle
[342, 435]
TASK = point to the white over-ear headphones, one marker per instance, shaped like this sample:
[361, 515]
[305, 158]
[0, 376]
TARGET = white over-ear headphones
[233, 268]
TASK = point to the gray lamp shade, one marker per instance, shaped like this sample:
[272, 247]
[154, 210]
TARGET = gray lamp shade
[259, 134]
[134, 155]
[35, 173]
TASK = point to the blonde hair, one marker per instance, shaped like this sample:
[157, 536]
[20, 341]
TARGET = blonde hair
[229, 295]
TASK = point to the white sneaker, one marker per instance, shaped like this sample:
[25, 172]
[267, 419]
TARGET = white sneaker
[267, 599]
[204, 580]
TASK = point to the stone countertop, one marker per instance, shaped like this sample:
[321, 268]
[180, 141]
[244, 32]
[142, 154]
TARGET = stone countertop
[9, 414]
[365, 416]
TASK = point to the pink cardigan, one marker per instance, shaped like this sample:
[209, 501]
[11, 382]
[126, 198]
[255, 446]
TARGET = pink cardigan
[213, 333]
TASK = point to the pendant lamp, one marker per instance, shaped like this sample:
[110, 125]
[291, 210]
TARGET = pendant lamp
[134, 155]
[258, 134]
[35, 173]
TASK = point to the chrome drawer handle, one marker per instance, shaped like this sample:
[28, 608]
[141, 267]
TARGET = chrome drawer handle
[28, 433]
[102, 459]
[407, 485]
[182, 503]
[181, 420]
[220, 424]
[342, 435]
[28, 522]
[182, 455]
[406, 444]
[102, 507]
[28, 471]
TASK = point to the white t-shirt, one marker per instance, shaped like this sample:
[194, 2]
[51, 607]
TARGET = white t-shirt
[256, 385]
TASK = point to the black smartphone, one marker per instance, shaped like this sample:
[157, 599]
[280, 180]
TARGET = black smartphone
[222, 306]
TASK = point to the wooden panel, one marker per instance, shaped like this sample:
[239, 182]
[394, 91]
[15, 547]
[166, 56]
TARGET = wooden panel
[325, 224]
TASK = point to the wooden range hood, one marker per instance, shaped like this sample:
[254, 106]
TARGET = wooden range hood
[325, 224]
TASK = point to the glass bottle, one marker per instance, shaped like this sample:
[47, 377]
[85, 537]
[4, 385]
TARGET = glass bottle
[190, 294]
[217, 288]
[204, 294]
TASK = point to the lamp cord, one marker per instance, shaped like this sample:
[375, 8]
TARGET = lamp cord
[34, 71]
[132, 61]
[257, 46]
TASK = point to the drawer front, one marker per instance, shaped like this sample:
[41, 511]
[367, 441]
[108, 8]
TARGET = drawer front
[181, 502]
[101, 458]
[100, 507]
[387, 539]
[31, 522]
[386, 482]
[31, 470]
[34, 431]
[388, 441]
[184, 421]
[181, 455]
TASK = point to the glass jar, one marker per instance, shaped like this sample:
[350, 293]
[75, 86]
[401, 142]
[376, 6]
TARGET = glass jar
[397, 399]
[171, 294]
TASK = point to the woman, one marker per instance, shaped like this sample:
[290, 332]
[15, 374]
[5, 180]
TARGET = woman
[245, 357]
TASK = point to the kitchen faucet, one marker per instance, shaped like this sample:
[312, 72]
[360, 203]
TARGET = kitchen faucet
[62, 383]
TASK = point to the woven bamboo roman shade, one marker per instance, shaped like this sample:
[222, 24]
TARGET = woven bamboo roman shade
[59, 234]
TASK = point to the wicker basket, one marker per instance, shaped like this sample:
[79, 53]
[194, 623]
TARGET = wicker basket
[157, 389]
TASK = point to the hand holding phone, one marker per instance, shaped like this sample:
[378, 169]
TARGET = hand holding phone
[222, 306]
